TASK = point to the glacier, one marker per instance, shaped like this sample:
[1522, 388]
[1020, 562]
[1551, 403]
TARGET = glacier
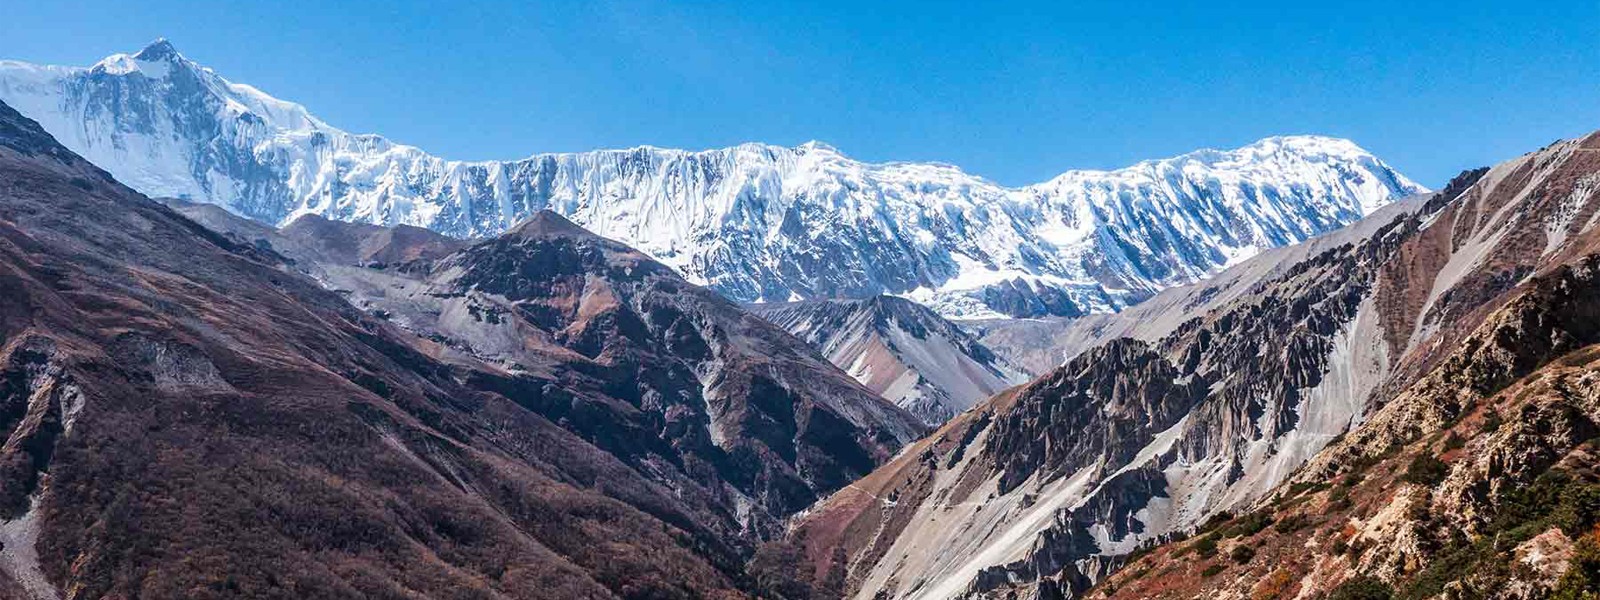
[756, 222]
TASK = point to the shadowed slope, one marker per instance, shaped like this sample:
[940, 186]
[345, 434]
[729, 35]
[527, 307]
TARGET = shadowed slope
[186, 415]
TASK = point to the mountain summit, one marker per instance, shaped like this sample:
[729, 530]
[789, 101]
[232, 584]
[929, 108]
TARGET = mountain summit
[1407, 405]
[161, 49]
[755, 222]
[543, 415]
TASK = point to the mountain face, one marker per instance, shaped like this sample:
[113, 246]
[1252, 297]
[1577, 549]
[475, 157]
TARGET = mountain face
[900, 349]
[1041, 345]
[1475, 476]
[754, 222]
[1368, 360]
[188, 413]
[549, 296]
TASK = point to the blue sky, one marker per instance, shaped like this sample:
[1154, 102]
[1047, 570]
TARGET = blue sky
[1015, 92]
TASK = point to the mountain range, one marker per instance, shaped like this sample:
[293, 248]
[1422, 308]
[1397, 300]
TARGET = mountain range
[754, 222]
[342, 410]
[320, 364]
[1400, 409]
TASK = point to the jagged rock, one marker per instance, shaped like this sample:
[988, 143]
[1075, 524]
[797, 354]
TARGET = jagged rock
[900, 349]
[1354, 360]
[755, 222]
[188, 412]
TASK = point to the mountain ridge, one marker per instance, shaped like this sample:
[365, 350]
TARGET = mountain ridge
[1244, 392]
[756, 222]
[195, 409]
[900, 349]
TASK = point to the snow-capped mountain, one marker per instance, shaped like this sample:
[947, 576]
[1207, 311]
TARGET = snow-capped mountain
[1234, 405]
[755, 222]
[542, 415]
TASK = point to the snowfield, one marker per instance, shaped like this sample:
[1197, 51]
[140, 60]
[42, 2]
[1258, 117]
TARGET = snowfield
[756, 222]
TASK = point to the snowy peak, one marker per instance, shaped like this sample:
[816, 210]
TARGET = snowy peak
[155, 61]
[158, 50]
[1427, 317]
[756, 222]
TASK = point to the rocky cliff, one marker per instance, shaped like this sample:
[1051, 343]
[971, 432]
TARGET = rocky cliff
[1340, 358]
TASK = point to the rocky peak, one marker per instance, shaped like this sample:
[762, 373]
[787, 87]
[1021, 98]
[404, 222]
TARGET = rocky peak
[901, 350]
[754, 222]
[158, 50]
[1335, 357]
[550, 224]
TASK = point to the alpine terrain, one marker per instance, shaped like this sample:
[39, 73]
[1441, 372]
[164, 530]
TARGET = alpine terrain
[1402, 409]
[754, 222]
[202, 411]
[900, 349]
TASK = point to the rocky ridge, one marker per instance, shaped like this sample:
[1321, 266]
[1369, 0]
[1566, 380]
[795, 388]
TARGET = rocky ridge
[755, 222]
[995, 504]
[903, 351]
[188, 413]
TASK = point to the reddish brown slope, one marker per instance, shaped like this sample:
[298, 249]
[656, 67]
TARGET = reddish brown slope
[1476, 477]
[1365, 348]
[186, 416]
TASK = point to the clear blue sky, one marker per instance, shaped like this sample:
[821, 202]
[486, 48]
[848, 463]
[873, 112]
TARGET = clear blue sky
[1015, 93]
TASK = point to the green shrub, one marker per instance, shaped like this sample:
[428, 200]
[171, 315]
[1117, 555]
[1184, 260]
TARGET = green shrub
[1426, 470]
[1582, 579]
[1453, 441]
[1555, 499]
[1362, 587]
[1491, 421]
[1216, 520]
[1291, 524]
[1248, 525]
[1356, 548]
[1211, 570]
[1339, 498]
[1453, 564]
[1242, 554]
[1578, 508]
[1207, 546]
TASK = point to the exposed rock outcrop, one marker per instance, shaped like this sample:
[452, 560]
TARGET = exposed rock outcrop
[901, 350]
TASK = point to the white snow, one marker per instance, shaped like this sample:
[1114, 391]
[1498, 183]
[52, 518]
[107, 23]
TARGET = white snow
[755, 221]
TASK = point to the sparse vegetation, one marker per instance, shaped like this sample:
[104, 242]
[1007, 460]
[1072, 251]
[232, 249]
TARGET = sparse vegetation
[1426, 470]
[1339, 546]
[1556, 499]
[1453, 441]
[1355, 549]
[1491, 421]
[1207, 546]
[1248, 525]
[1212, 570]
[1362, 587]
[1275, 585]
[1242, 554]
[1291, 524]
[1216, 520]
[1339, 498]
